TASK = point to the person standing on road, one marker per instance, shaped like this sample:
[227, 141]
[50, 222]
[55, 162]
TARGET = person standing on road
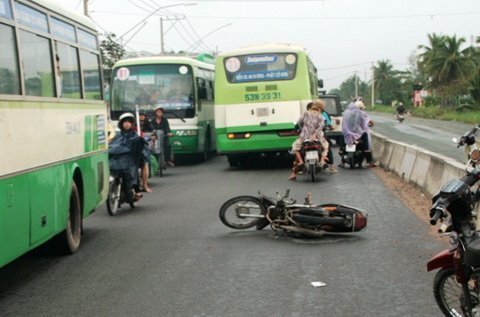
[145, 127]
[161, 123]
[328, 126]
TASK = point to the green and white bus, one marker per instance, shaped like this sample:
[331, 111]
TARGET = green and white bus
[54, 160]
[260, 92]
[183, 86]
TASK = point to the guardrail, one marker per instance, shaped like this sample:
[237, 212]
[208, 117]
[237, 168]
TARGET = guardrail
[427, 170]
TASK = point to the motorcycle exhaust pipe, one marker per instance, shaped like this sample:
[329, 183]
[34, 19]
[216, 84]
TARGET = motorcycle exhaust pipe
[302, 230]
[251, 216]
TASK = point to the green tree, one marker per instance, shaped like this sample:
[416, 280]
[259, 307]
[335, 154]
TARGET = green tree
[387, 82]
[347, 88]
[110, 50]
[449, 66]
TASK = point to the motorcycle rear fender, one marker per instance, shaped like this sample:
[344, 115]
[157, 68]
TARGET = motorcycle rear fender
[443, 259]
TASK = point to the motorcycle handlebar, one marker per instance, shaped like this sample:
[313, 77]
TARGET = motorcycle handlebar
[439, 213]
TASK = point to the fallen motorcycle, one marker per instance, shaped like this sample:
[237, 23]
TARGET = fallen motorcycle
[283, 214]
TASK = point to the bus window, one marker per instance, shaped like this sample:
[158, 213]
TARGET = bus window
[62, 29]
[148, 86]
[5, 10]
[9, 77]
[87, 39]
[31, 17]
[91, 75]
[68, 73]
[37, 65]
[260, 67]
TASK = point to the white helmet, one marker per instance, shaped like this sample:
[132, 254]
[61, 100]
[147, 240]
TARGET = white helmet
[126, 116]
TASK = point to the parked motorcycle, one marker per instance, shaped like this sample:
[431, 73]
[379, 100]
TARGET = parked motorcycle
[311, 150]
[472, 147]
[456, 285]
[283, 214]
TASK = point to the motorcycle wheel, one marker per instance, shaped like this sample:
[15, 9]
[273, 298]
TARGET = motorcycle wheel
[113, 199]
[235, 212]
[312, 169]
[449, 293]
[351, 160]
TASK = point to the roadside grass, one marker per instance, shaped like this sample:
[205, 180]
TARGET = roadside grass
[432, 112]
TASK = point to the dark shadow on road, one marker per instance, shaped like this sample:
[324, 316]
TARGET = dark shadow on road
[327, 238]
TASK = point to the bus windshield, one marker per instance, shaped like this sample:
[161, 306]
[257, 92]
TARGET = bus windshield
[169, 86]
[260, 67]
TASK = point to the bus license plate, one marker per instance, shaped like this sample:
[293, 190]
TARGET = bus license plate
[311, 155]
[262, 112]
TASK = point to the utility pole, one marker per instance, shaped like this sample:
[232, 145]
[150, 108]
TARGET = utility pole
[373, 86]
[85, 7]
[161, 36]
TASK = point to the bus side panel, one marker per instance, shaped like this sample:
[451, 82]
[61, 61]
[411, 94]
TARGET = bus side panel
[47, 201]
[14, 218]
[95, 173]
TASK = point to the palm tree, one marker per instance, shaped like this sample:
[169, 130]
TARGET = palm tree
[449, 67]
[387, 81]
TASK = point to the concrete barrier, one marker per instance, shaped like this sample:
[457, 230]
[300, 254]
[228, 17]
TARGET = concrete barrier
[415, 165]
[427, 170]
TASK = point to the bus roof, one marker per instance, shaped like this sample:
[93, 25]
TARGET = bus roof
[164, 60]
[265, 48]
[54, 6]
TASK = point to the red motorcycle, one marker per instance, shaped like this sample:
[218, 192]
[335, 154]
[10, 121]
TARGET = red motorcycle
[456, 284]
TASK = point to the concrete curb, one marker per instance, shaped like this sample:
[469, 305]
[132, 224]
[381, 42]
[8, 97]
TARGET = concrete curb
[426, 169]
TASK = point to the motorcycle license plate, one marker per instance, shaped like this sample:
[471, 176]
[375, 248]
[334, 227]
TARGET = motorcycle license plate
[351, 148]
[311, 155]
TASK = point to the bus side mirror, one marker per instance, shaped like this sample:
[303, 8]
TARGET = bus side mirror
[320, 83]
[202, 93]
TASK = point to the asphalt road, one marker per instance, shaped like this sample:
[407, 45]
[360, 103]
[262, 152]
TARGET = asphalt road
[433, 135]
[171, 256]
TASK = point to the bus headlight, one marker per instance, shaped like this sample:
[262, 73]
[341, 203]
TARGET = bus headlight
[232, 136]
[186, 132]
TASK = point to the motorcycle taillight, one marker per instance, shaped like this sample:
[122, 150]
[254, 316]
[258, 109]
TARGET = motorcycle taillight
[360, 221]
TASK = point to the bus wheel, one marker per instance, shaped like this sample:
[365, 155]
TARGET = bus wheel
[233, 161]
[206, 150]
[70, 238]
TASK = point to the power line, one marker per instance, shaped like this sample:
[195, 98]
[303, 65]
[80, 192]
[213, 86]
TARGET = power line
[431, 16]
[406, 16]
[341, 67]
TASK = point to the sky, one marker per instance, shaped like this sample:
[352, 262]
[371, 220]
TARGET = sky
[342, 37]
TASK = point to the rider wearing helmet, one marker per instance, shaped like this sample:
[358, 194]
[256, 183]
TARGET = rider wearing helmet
[400, 108]
[125, 154]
